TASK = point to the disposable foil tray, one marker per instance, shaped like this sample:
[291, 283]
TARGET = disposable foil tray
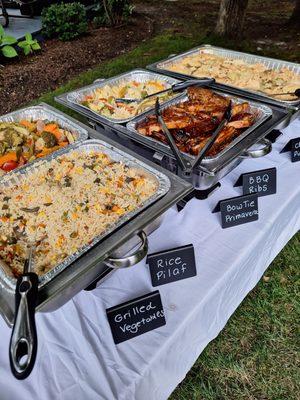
[162, 183]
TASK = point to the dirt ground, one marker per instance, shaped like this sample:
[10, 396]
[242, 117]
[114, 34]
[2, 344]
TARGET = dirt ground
[27, 78]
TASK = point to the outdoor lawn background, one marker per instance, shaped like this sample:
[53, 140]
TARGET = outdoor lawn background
[256, 357]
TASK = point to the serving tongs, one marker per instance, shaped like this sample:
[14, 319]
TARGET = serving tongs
[177, 87]
[186, 166]
[23, 342]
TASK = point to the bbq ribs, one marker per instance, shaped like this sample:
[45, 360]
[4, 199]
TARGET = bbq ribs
[193, 121]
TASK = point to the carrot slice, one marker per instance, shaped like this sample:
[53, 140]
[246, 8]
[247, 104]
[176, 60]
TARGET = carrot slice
[51, 127]
[46, 151]
[63, 144]
[29, 125]
[57, 134]
[11, 156]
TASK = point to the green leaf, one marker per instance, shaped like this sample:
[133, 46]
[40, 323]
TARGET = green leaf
[28, 36]
[22, 44]
[6, 39]
[27, 50]
[1, 31]
[9, 52]
[36, 46]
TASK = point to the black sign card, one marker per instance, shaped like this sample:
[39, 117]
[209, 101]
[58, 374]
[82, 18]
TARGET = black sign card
[287, 147]
[172, 265]
[293, 146]
[135, 317]
[238, 210]
[262, 182]
[295, 150]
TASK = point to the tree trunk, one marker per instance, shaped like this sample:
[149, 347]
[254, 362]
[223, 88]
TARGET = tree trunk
[295, 17]
[108, 12]
[231, 18]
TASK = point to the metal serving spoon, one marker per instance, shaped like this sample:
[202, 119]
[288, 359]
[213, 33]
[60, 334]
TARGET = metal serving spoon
[177, 87]
[23, 342]
[295, 93]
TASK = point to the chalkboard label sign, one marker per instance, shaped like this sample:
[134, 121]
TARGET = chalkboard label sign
[262, 182]
[293, 146]
[295, 151]
[238, 210]
[135, 317]
[172, 265]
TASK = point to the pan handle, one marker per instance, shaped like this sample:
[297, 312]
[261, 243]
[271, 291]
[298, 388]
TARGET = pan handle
[132, 259]
[264, 149]
[23, 342]
[92, 124]
[99, 80]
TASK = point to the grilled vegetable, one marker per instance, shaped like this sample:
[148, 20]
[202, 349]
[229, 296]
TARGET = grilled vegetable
[49, 139]
[12, 156]
[23, 141]
[9, 166]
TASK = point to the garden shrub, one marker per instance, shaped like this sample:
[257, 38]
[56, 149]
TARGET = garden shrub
[112, 12]
[64, 21]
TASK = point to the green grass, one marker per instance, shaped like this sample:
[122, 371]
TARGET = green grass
[256, 357]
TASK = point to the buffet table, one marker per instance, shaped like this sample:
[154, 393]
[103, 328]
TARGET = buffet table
[77, 358]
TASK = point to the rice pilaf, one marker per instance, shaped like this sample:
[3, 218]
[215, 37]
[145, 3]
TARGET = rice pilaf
[80, 195]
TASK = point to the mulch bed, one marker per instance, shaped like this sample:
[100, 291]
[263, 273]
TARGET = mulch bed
[26, 79]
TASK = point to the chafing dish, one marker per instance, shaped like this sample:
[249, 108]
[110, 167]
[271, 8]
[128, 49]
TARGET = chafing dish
[139, 75]
[261, 112]
[105, 253]
[293, 105]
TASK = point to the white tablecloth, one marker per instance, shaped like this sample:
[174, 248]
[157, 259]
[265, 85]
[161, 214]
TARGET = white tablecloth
[77, 358]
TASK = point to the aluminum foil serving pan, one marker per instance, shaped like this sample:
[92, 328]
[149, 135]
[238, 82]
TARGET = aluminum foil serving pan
[261, 112]
[45, 112]
[162, 187]
[122, 248]
[271, 63]
[139, 75]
